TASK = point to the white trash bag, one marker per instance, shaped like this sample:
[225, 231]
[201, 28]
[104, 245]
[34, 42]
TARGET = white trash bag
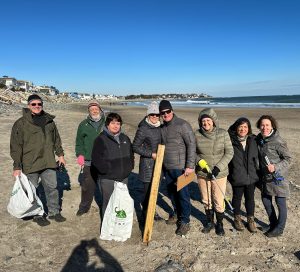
[118, 217]
[23, 200]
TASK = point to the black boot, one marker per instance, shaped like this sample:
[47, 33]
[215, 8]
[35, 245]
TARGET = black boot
[219, 226]
[210, 221]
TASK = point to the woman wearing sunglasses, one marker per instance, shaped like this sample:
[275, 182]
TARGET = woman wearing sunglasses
[145, 144]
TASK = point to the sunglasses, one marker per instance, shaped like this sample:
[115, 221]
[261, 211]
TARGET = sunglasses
[165, 112]
[154, 115]
[36, 104]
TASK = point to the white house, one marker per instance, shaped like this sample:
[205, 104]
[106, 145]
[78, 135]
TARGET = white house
[9, 81]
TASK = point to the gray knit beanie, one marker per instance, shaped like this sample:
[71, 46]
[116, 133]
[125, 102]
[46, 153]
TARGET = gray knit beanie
[153, 108]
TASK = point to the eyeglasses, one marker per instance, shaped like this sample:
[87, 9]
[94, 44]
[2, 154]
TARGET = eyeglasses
[165, 112]
[154, 115]
[36, 104]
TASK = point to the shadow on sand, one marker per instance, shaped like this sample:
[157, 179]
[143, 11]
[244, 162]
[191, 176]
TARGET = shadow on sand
[79, 259]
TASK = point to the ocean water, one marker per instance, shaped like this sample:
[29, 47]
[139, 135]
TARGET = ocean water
[272, 101]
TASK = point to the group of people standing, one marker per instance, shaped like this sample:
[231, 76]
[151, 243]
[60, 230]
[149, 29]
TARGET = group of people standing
[106, 155]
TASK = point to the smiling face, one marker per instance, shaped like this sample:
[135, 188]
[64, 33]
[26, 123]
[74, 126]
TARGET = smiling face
[153, 118]
[35, 106]
[94, 112]
[114, 127]
[242, 130]
[265, 127]
[167, 115]
[207, 124]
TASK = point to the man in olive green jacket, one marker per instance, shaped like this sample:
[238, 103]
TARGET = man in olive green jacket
[87, 132]
[34, 141]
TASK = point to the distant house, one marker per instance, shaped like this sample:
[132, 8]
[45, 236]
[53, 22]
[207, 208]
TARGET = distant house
[9, 81]
[47, 90]
[86, 96]
[26, 85]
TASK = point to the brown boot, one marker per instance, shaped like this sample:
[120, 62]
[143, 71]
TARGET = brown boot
[238, 224]
[251, 224]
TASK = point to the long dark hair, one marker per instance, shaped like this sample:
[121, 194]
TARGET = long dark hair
[240, 121]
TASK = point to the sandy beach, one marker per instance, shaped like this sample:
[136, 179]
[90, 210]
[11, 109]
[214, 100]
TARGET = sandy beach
[75, 245]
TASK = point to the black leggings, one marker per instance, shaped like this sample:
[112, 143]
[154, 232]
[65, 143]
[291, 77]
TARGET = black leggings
[248, 192]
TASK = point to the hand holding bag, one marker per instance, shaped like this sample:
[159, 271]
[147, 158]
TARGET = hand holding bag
[23, 200]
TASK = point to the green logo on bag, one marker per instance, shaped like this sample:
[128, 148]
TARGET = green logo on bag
[15, 191]
[120, 213]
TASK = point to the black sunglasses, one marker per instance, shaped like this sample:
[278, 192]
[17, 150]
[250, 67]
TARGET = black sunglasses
[36, 104]
[165, 112]
[154, 114]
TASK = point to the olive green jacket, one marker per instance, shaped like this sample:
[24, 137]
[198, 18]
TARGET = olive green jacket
[31, 148]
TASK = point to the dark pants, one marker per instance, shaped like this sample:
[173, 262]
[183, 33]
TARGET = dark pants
[280, 221]
[248, 192]
[147, 191]
[181, 199]
[49, 182]
[88, 190]
[106, 189]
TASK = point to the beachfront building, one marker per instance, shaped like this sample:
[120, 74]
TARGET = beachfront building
[46, 90]
[27, 86]
[9, 81]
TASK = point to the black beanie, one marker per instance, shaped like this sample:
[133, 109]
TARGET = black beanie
[34, 97]
[165, 105]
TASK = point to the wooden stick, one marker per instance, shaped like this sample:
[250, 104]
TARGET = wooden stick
[153, 194]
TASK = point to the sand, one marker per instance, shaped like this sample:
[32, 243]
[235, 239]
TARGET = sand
[75, 245]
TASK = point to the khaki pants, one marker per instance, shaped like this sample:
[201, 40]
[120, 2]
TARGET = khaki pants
[212, 196]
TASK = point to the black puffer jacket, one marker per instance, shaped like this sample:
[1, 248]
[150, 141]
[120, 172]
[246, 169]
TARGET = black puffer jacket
[145, 143]
[244, 166]
[112, 159]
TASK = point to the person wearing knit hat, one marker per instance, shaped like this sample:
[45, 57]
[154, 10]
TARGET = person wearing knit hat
[145, 144]
[87, 132]
[34, 143]
[179, 158]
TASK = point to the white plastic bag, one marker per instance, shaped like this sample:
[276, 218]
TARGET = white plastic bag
[23, 200]
[118, 217]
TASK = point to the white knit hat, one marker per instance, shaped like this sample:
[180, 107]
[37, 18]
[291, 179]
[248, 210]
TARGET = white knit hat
[153, 108]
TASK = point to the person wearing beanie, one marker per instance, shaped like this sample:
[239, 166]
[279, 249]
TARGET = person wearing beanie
[145, 144]
[33, 145]
[213, 146]
[87, 132]
[179, 158]
[243, 172]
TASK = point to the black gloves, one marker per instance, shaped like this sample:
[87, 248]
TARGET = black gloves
[215, 171]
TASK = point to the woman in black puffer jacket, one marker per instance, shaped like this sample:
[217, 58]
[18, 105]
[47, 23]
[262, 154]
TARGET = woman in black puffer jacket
[145, 143]
[243, 171]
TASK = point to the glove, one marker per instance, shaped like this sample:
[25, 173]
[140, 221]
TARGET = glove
[80, 160]
[215, 171]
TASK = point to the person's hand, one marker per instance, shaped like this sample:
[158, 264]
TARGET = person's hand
[17, 173]
[61, 160]
[153, 156]
[215, 171]
[271, 168]
[188, 171]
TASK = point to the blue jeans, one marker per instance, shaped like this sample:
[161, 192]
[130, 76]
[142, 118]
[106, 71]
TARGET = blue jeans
[181, 199]
[276, 222]
[49, 182]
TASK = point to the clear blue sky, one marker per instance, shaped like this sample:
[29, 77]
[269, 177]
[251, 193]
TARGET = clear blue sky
[223, 48]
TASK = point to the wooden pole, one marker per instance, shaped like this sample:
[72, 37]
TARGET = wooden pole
[153, 194]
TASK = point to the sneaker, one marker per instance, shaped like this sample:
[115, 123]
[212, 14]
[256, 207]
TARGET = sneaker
[57, 218]
[41, 221]
[183, 229]
[172, 219]
[81, 212]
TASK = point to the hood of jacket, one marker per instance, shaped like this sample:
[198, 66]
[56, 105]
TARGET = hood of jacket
[211, 113]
